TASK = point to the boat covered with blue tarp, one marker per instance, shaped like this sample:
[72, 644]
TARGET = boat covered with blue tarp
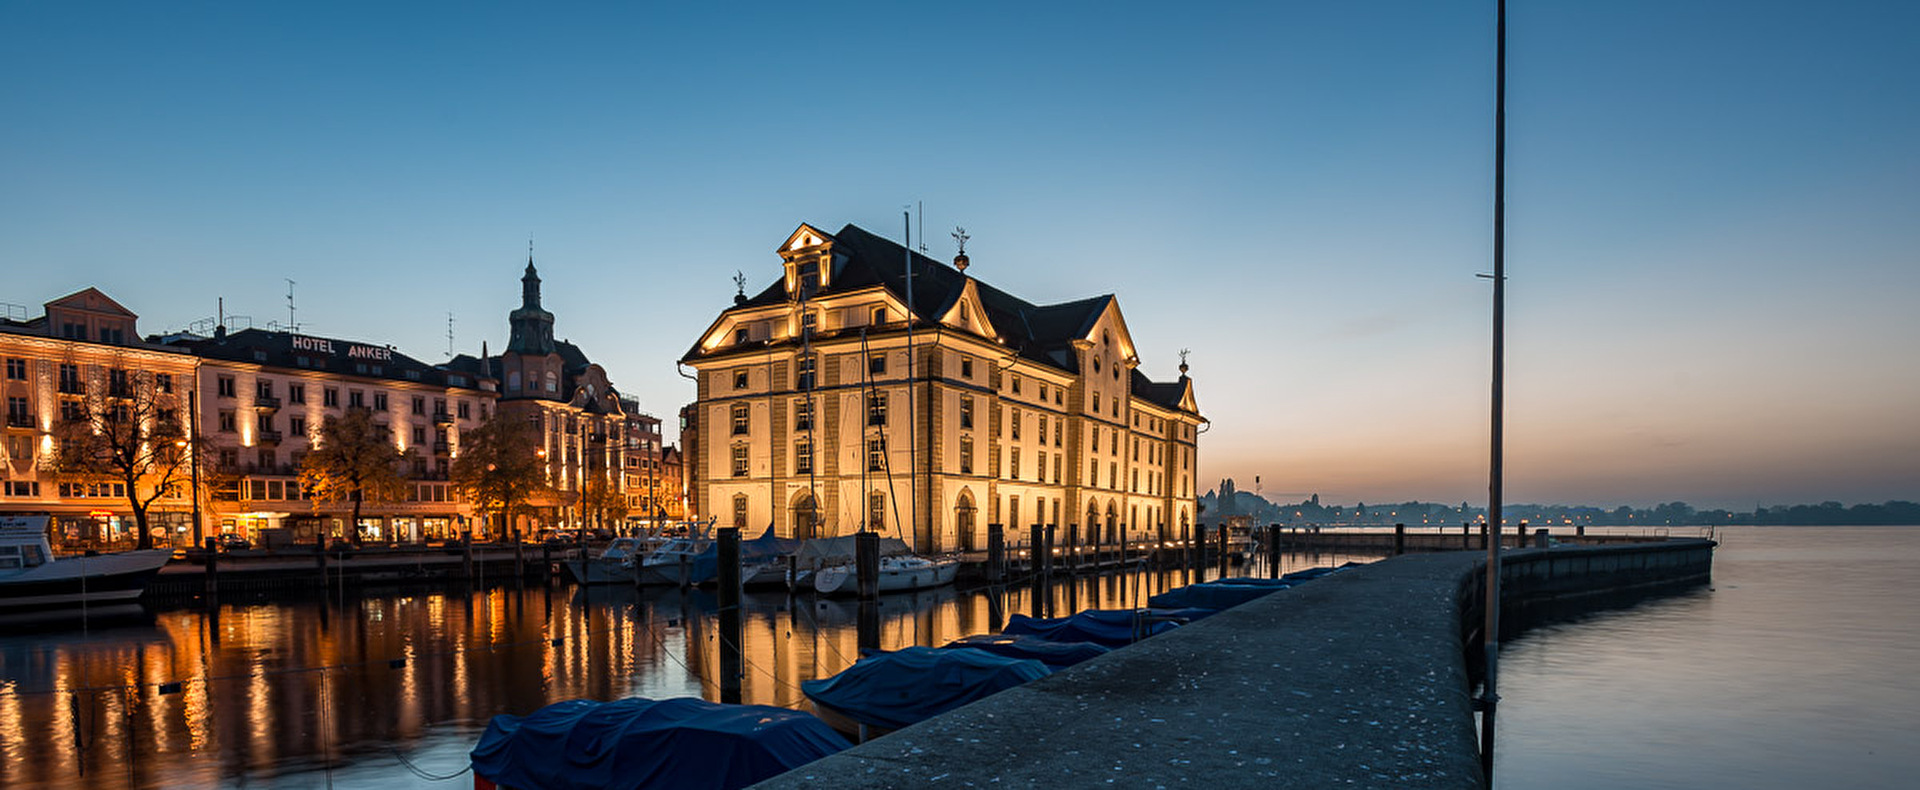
[1104, 627]
[642, 743]
[1056, 655]
[704, 568]
[1214, 595]
[888, 691]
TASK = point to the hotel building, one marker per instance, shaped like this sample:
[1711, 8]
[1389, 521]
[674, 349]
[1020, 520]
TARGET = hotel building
[81, 355]
[262, 398]
[869, 386]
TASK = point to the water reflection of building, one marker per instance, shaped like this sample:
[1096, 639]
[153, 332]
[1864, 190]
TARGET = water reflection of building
[262, 398]
[811, 417]
[82, 355]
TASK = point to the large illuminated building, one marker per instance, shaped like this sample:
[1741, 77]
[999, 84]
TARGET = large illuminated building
[82, 355]
[589, 434]
[263, 396]
[848, 394]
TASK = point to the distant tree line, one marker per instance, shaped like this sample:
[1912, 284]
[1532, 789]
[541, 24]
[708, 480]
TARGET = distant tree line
[1228, 501]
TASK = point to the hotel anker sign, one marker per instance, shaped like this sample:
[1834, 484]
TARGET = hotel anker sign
[354, 350]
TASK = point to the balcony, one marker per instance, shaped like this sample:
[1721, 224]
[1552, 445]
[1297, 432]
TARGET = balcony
[442, 448]
[266, 402]
[19, 421]
[268, 437]
[442, 418]
[68, 387]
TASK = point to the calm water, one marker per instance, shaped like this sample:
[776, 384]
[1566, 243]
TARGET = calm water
[1799, 667]
[392, 690]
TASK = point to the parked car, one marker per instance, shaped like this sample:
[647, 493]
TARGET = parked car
[230, 542]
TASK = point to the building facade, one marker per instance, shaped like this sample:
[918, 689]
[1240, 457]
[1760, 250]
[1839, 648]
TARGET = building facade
[596, 443]
[262, 397]
[81, 359]
[851, 394]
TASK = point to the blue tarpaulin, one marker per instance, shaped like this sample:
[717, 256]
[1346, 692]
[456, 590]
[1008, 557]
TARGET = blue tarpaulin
[893, 690]
[1213, 595]
[705, 566]
[1106, 627]
[642, 743]
[1056, 655]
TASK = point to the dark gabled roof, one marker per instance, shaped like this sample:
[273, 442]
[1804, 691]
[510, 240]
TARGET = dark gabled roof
[1167, 394]
[276, 349]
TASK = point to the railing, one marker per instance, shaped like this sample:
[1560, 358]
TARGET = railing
[442, 448]
[266, 402]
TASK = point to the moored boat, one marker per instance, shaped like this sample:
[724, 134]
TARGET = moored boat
[898, 573]
[614, 565]
[637, 743]
[886, 691]
[36, 586]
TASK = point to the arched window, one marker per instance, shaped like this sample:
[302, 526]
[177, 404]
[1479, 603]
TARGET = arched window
[805, 515]
[963, 513]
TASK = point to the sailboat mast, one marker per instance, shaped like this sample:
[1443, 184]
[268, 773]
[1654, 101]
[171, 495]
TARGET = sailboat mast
[1496, 457]
[913, 428]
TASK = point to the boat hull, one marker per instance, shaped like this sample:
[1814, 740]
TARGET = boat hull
[842, 580]
[79, 586]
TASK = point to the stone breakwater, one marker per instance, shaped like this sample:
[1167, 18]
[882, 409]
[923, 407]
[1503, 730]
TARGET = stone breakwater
[1357, 679]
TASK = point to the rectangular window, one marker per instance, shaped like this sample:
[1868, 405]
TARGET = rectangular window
[18, 416]
[1136, 448]
[70, 382]
[966, 366]
[1056, 467]
[1113, 475]
[740, 419]
[1043, 429]
[223, 386]
[1039, 465]
[419, 436]
[16, 369]
[463, 411]
[264, 422]
[1093, 474]
[1015, 378]
[803, 457]
[1013, 464]
[740, 379]
[966, 412]
[1059, 431]
[877, 364]
[966, 455]
[296, 393]
[297, 426]
[877, 408]
[356, 399]
[379, 401]
[1013, 425]
[73, 411]
[739, 460]
[803, 416]
[879, 316]
[740, 511]
[163, 382]
[419, 405]
[876, 510]
[263, 388]
[803, 378]
[330, 397]
[227, 424]
[876, 454]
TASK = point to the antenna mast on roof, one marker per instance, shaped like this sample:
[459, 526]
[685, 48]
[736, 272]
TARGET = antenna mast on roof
[449, 334]
[921, 208]
[292, 326]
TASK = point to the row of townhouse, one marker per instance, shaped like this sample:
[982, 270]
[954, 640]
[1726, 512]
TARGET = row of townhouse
[257, 399]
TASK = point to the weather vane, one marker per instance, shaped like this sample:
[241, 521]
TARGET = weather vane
[960, 236]
[739, 283]
[1183, 359]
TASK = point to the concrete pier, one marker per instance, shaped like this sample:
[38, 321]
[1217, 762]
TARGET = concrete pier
[1357, 679]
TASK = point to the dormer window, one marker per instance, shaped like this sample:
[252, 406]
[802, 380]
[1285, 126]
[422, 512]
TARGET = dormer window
[879, 316]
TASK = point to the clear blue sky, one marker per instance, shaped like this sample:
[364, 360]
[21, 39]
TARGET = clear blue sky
[1714, 293]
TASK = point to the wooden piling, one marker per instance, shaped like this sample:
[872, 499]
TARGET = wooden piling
[996, 553]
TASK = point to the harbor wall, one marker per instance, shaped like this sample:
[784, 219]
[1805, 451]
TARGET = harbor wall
[1362, 678]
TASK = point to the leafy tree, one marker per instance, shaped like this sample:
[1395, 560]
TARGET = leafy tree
[128, 432]
[600, 502]
[500, 466]
[355, 460]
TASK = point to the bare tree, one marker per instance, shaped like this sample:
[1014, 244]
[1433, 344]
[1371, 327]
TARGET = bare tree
[126, 431]
[500, 467]
[600, 502]
[356, 460]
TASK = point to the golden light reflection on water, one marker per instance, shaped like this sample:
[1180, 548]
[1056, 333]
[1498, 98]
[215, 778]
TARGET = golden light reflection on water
[277, 690]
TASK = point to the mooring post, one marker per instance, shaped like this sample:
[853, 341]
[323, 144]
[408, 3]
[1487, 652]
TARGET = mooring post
[520, 561]
[1034, 541]
[1073, 549]
[213, 565]
[1047, 552]
[466, 545]
[1273, 551]
[727, 549]
[1580, 531]
[996, 553]
[1225, 555]
[867, 564]
[1399, 539]
[1466, 535]
[1540, 538]
[546, 561]
[1520, 534]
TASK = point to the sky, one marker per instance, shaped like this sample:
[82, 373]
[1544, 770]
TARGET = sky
[1713, 284]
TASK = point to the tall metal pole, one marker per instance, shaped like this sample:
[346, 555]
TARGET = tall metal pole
[913, 431]
[193, 457]
[1489, 698]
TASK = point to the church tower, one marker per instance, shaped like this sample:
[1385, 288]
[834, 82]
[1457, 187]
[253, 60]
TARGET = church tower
[531, 363]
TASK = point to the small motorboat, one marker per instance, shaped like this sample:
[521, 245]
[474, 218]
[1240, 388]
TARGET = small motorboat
[1106, 627]
[898, 573]
[36, 586]
[1056, 655]
[638, 744]
[614, 564]
[886, 691]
